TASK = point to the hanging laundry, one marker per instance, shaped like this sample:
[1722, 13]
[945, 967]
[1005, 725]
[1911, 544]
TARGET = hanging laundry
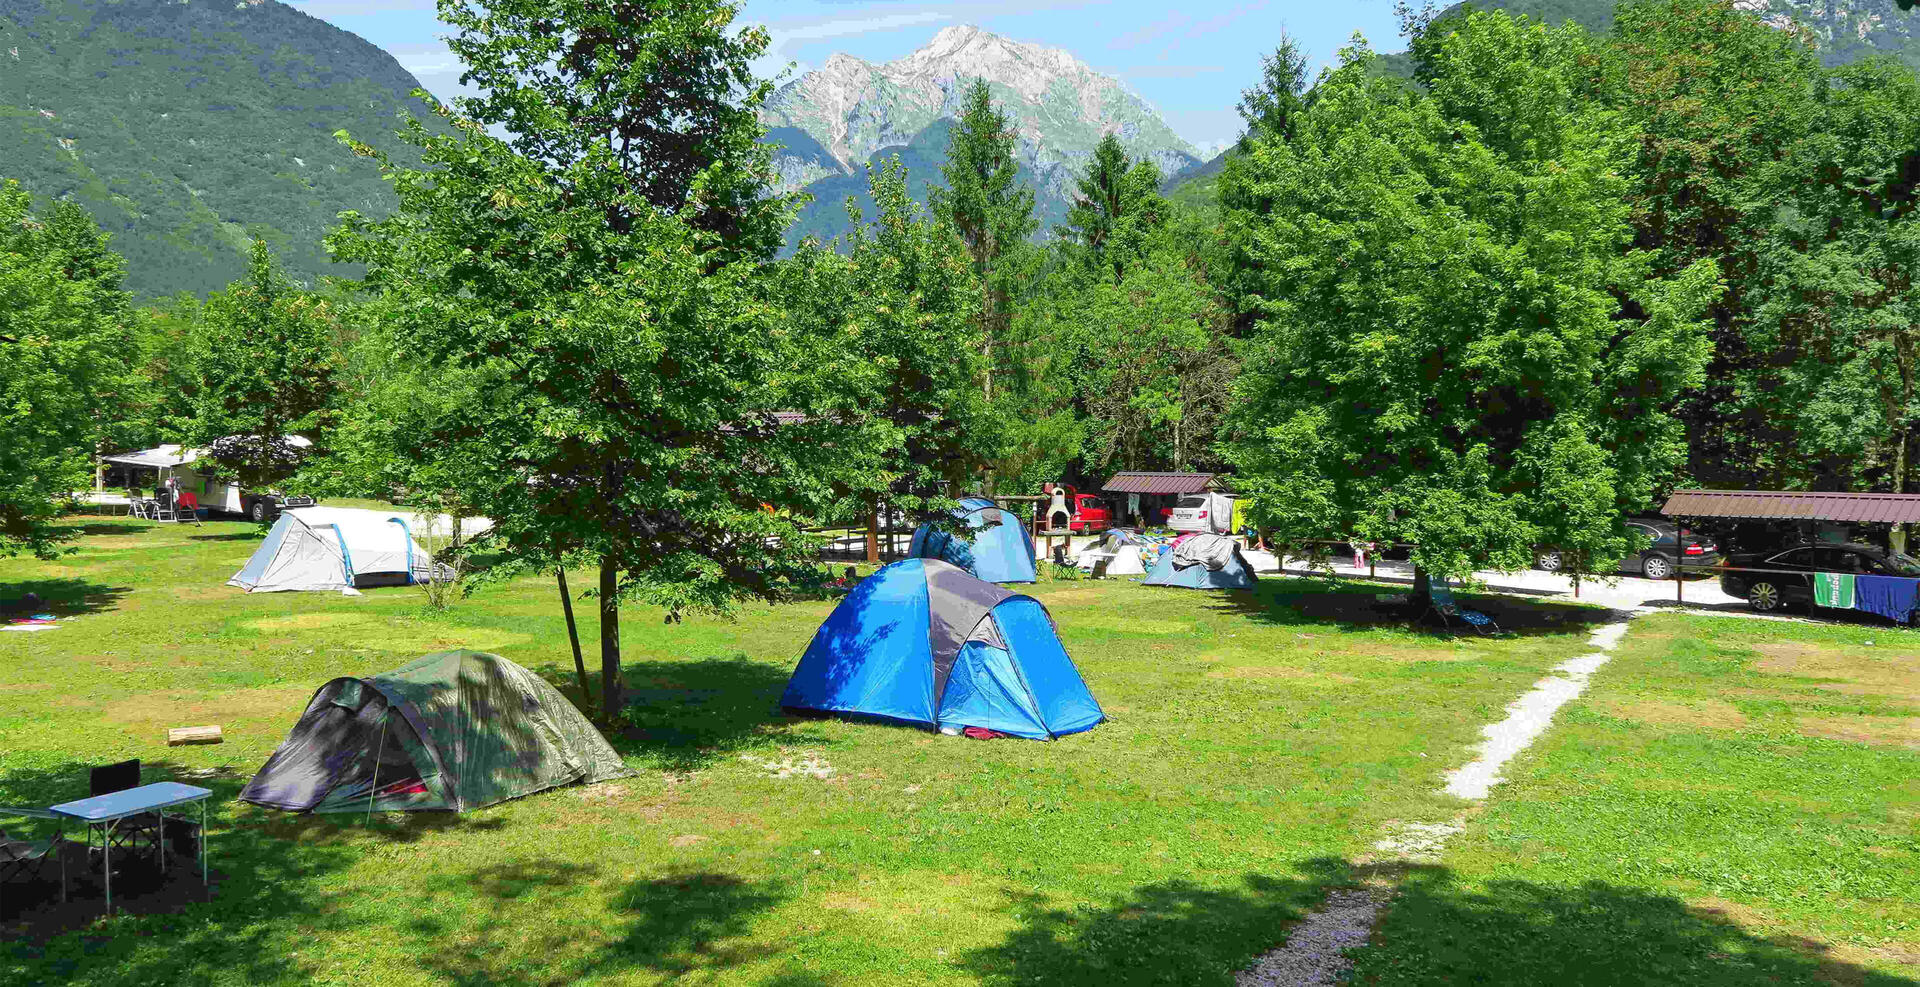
[1833, 589]
[1889, 596]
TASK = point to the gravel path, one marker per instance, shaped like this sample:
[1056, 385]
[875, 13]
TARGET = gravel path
[1316, 952]
[1531, 714]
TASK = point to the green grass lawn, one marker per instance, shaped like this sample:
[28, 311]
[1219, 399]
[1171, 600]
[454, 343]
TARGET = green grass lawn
[1733, 802]
[1257, 743]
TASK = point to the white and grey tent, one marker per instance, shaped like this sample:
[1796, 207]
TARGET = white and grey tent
[1125, 553]
[335, 548]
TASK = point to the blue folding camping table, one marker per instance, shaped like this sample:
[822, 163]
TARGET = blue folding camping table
[106, 810]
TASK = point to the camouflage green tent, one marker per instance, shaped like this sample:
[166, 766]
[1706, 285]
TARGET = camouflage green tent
[456, 730]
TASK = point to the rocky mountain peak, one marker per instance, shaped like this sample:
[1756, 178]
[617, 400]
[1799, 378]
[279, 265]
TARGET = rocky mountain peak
[850, 110]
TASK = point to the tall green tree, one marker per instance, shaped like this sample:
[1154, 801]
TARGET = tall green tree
[1713, 95]
[65, 346]
[1455, 345]
[1117, 206]
[597, 276]
[1833, 304]
[1272, 108]
[985, 201]
[262, 371]
[898, 314]
[661, 92]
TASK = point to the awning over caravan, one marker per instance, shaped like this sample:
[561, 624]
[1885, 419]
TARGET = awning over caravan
[171, 455]
[158, 457]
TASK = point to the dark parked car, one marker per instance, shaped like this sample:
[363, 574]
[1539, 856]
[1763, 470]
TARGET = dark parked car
[1657, 560]
[1769, 591]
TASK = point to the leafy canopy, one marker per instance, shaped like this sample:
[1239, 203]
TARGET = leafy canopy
[65, 349]
[1442, 353]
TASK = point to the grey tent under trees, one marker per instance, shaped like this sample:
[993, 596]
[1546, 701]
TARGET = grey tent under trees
[456, 730]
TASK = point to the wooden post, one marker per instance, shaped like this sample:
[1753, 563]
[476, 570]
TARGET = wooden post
[1679, 559]
[873, 536]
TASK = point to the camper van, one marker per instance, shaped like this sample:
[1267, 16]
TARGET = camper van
[1211, 513]
[201, 476]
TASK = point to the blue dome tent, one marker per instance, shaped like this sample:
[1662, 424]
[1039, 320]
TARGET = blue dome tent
[922, 642]
[995, 548]
[1203, 562]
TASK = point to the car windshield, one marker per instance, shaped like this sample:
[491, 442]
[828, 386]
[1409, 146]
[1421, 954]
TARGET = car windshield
[1904, 564]
[1193, 502]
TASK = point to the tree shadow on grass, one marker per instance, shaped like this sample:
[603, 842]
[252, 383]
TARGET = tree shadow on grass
[1172, 932]
[95, 530]
[1181, 932]
[680, 926]
[1440, 930]
[684, 715]
[60, 597]
[1300, 601]
[229, 536]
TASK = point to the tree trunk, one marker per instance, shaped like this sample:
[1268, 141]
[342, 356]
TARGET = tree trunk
[873, 535]
[573, 634]
[610, 703]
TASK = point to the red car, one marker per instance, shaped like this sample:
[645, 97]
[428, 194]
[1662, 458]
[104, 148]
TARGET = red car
[1090, 514]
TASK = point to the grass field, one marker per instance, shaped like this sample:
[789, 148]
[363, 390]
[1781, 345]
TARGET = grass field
[1258, 745]
[1733, 802]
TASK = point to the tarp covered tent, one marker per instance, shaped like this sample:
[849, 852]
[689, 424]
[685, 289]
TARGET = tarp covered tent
[923, 642]
[995, 546]
[335, 548]
[1203, 562]
[456, 730]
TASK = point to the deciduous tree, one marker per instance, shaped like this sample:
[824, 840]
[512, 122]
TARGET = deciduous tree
[1456, 346]
[65, 350]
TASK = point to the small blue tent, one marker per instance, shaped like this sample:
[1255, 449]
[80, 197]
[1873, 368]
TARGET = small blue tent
[922, 642]
[1203, 562]
[995, 548]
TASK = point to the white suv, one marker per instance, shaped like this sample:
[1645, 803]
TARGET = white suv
[1207, 512]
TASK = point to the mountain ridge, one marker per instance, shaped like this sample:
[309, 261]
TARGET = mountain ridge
[852, 112]
[187, 128]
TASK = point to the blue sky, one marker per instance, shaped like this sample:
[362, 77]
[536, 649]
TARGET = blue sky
[1190, 60]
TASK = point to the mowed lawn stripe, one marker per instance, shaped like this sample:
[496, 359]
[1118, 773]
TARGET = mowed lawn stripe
[1695, 818]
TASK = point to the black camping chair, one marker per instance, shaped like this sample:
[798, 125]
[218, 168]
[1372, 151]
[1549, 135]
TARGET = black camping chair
[1063, 568]
[22, 856]
[145, 829]
[1442, 609]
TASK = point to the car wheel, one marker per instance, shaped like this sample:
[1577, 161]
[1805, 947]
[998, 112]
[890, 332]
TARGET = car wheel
[1764, 597]
[1656, 567]
[1547, 561]
[258, 512]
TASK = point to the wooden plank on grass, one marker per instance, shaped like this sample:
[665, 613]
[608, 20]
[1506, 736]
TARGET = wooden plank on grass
[193, 735]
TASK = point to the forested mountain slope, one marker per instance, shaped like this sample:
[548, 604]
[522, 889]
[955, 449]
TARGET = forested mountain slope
[188, 127]
[1842, 30]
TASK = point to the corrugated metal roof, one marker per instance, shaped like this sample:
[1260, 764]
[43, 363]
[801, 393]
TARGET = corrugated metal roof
[1795, 505]
[1160, 483]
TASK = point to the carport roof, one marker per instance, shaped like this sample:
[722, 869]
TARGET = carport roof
[1162, 483]
[1795, 505]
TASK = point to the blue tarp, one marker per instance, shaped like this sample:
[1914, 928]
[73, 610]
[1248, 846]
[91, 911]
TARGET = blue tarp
[923, 642]
[1888, 596]
[995, 548]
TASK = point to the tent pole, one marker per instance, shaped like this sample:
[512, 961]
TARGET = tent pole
[382, 752]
